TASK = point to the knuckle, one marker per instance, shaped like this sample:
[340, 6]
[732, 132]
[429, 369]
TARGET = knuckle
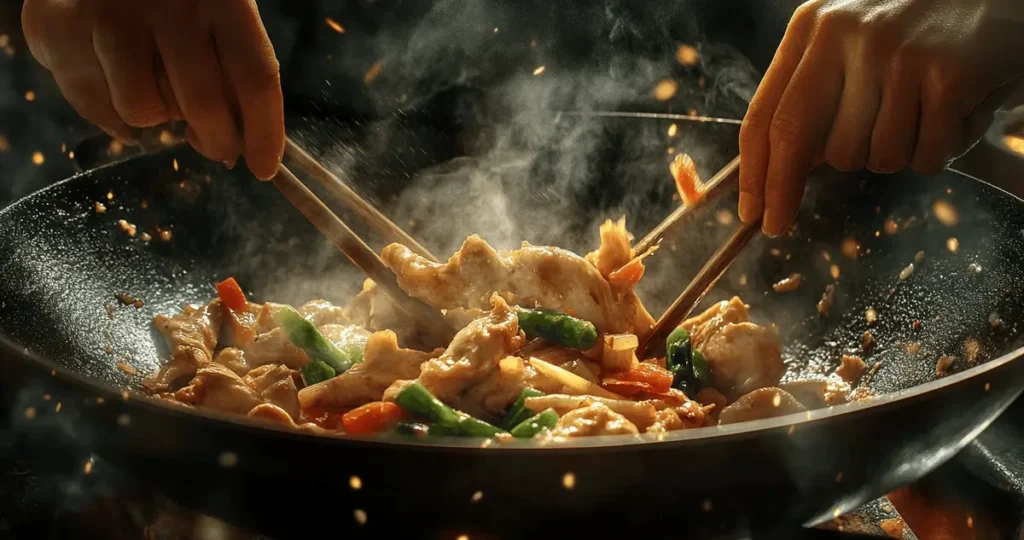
[837, 22]
[786, 133]
[805, 15]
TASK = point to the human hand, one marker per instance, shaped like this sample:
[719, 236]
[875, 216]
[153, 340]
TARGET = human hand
[127, 64]
[875, 83]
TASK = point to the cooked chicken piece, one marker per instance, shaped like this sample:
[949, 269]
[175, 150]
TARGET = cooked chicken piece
[972, 351]
[532, 276]
[472, 356]
[590, 421]
[714, 318]
[274, 347]
[192, 337]
[218, 388]
[818, 392]
[688, 416]
[265, 317]
[867, 340]
[827, 299]
[272, 414]
[319, 312]
[944, 366]
[640, 413]
[375, 311]
[761, 403]
[614, 251]
[383, 364]
[275, 384]
[233, 359]
[790, 283]
[851, 369]
[570, 360]
[743, 357]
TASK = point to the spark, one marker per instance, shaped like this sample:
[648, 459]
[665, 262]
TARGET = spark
[834, 270]
[37, 158]
[538, 70]
[360, 516]
[687, 55]
[30, 96]
[569, 480]
[946, 213]
[373, 72]
[952, 244]
[355, 482]
[477, 496]
[665, 89]
[175, 165]
[58, 407]
[672, 130]
[335, 26]
[5, 145]
[88, 466]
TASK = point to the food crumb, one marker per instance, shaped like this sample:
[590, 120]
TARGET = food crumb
[165, 235]
[994, 321]
[907, 271]
[916, 324]
[943, 366]
[788, 284]
[972, 351]
[868, 340]
[871, 316]
[850, 248]
[110, 310]
[919, 256]
[101, 208]
[827, 299]
[974, 268]
[833, 270]
[145, 237]
[911, 348]
[127, 227]
[108, 349]
[892, 527]
[851, 369]
[127, 369]
[129, 300]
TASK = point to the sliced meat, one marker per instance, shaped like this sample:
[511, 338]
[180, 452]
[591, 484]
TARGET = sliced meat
[640, 413]
[218, 388]
[472, 356]
[192, 338]
[532, 276]
[275, 384]
[851, 369]
[233, 359]
[592, 420]
[789, 283]
[375, 311]
[761, 403]
[383, 364]
[713, 319]
[818, 392]
[275, 348]
[743, 357]
[322, 312]
[614, 251]
[688, 416]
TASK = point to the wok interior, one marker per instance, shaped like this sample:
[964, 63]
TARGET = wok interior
[64, 263]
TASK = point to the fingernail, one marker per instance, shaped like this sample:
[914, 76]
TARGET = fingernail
[749, 209]
[771, 225]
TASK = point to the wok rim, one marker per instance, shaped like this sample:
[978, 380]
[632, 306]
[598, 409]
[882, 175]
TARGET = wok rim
[603, 442]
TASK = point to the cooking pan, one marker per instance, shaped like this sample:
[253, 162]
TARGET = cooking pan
[62, 265]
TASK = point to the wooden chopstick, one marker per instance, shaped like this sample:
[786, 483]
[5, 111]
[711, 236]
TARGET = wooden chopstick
[705, 279]
[349, 243]
[343, 191]
[715, 187]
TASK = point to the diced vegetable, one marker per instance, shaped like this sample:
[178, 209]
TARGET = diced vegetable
[231, 295]
[682, 361]
[701, 371]
[571, 381]
[518, 411]
[645, 377]
[419, 401]
[618, 352]
[677, 348]
[316, 372]
[622, 342]
[534, 425]
[372, 418]
[303, 334]
[557, 328]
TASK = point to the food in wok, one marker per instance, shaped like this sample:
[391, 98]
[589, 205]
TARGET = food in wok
[545, 347]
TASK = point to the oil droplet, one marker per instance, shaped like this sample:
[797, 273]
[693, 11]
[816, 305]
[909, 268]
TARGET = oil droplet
[850, 248]
[30, 96]
[124, 420]
[706, 505]
[175, 164]
[58, 407]
[88, 466]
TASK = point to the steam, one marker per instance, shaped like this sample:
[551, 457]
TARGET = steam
[521, 171]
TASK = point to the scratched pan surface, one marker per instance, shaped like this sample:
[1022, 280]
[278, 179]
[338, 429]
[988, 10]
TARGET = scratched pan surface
[62, 264]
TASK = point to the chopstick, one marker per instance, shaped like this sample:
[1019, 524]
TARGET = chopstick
[349, 243]
[696, 289]
[343, 191]
[715, 187]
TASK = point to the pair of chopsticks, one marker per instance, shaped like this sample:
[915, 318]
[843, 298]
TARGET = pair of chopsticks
[347, 241]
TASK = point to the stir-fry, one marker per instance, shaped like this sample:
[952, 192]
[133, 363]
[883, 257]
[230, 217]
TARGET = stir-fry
[545, 348]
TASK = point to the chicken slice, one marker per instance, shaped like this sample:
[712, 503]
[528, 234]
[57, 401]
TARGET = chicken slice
[233, 359]
[818, 392]
[274, 347]
[614, 251]
[687, 416]
[590, 421]
[533, 276]
[192, 338]
[472, 356]
[759, 404]
[743, 357]
[383, 364]
[275, 384]
[218, 388]
[713, 319]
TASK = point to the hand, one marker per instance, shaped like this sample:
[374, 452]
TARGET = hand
[876, 83]
[126, 64]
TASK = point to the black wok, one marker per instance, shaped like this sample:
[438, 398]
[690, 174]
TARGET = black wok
[62, 264]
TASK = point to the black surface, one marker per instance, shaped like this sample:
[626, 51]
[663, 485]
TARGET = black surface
[62, 262]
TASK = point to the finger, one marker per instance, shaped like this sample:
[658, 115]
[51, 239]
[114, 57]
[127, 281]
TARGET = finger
[126, 55]
[190, 60]
[800, 124]
[754, 143]
[253, 74]
[849, 139]
[895, 133]
[167, 94]
[939, 129]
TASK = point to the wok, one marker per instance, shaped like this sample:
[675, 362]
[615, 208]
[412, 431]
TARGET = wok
[62, 264]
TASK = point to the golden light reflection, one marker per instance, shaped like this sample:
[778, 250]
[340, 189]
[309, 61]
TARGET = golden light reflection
[373, 72]
[30, 96]
[569, 480]
[38, 158]
[687, 55]
[834, 271]
[1015, 143]
[538, 70]
[850, 248]
[946, 213]
[672, 130]
[665, 89]
[335, 26]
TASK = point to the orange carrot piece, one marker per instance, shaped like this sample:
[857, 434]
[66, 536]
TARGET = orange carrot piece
[231, 295]
[688, 182]
[372, 418]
